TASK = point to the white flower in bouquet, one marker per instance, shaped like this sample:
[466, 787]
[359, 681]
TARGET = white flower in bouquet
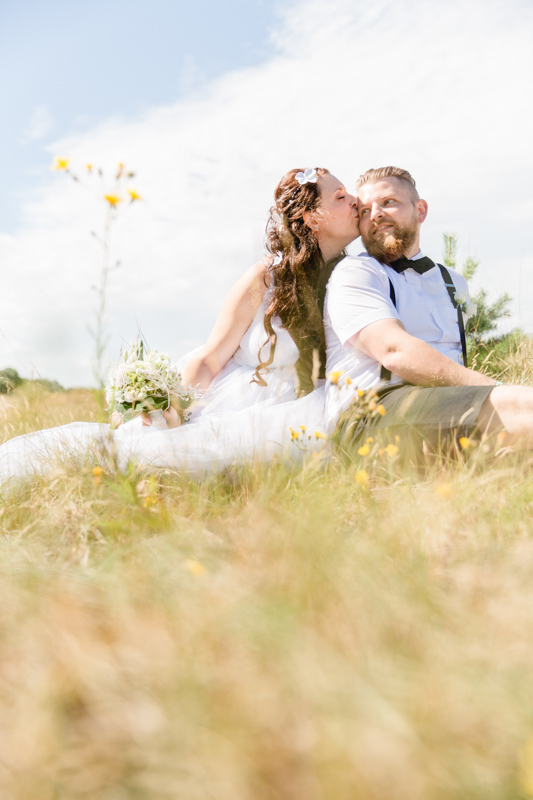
[146, 381]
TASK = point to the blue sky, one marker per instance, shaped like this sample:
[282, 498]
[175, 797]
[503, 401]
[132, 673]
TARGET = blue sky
[210, 103]
[72, 64]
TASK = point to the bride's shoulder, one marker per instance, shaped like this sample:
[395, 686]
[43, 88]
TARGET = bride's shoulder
[261, 270]
[250, 288]
[258, 277]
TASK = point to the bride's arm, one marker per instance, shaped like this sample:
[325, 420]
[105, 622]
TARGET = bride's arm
[233, 321]
[236, 315]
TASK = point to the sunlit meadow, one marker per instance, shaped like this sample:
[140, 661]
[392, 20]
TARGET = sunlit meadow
[355, 628]
[340, 630]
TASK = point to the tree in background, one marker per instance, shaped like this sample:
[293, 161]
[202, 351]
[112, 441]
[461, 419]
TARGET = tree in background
[486, 348]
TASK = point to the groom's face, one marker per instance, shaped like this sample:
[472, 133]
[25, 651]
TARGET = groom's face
[389, 219]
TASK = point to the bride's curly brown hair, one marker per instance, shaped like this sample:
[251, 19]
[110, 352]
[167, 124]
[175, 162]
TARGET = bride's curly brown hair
[298, 278]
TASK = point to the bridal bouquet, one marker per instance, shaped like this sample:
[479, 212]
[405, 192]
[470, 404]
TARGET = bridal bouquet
[146, 381]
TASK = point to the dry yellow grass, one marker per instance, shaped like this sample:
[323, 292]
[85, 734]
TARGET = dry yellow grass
[268, 634]
[31, 408]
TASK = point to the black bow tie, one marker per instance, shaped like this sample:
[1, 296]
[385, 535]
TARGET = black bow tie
[421, 265]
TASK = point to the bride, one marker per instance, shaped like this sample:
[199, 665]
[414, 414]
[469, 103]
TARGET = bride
[260, 365]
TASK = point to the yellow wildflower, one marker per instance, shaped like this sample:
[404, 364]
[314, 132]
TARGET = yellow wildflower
[302, 428]
[194, 567]
[333, 377]
[294, 434]
[134, 195]
[381, 451]
[89, 167]
[113, 199]
[444, 490]
[381, 410]
[372, 405]
[97, 471]
[465, 442]
[396, 438]
[60, 163]
[391, 450]
[319, 435]
[370, 439]
[361, 392]
[347, 381]
[364, 450]
[361, 476]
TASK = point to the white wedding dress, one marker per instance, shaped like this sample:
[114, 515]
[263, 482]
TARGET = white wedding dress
[236, 421]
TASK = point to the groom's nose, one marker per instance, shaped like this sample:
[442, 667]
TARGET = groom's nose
[376, 212]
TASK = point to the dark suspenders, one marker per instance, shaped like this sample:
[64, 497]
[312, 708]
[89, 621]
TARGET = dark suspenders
[447, 278]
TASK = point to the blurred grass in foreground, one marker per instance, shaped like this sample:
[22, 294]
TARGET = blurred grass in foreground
[267, 634]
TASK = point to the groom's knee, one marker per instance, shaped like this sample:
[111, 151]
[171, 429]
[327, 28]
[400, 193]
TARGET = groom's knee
[504, 405]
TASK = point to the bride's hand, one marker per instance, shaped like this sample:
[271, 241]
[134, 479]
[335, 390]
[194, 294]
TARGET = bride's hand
[171, 416]
[115, 420]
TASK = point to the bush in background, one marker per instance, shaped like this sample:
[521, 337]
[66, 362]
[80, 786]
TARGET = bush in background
[10, 379]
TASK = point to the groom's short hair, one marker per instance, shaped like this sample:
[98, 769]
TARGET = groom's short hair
[380, 174]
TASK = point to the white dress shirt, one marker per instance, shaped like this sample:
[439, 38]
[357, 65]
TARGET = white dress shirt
[358, 294]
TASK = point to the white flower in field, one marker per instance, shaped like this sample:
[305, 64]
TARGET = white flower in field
[470, 309]
[460, 297]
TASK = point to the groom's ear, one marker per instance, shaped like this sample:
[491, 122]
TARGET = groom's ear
[311, 220]
[421, 210]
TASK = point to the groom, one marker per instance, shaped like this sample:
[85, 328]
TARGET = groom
[392, 323]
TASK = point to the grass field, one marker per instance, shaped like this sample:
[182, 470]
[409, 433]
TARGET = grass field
[268, 634]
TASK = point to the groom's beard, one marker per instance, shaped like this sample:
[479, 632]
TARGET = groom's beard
[389, 246]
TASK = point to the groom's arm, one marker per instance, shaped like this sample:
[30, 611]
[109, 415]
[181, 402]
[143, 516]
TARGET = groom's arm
[363, 316]
[412, 359]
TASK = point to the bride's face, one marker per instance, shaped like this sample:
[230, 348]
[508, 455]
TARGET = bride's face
[337, 219]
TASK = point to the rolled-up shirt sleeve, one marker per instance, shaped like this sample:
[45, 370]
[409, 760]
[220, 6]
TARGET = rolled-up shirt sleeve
[358, 294]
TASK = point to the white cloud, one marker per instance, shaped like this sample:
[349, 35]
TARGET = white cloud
[436, 89]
